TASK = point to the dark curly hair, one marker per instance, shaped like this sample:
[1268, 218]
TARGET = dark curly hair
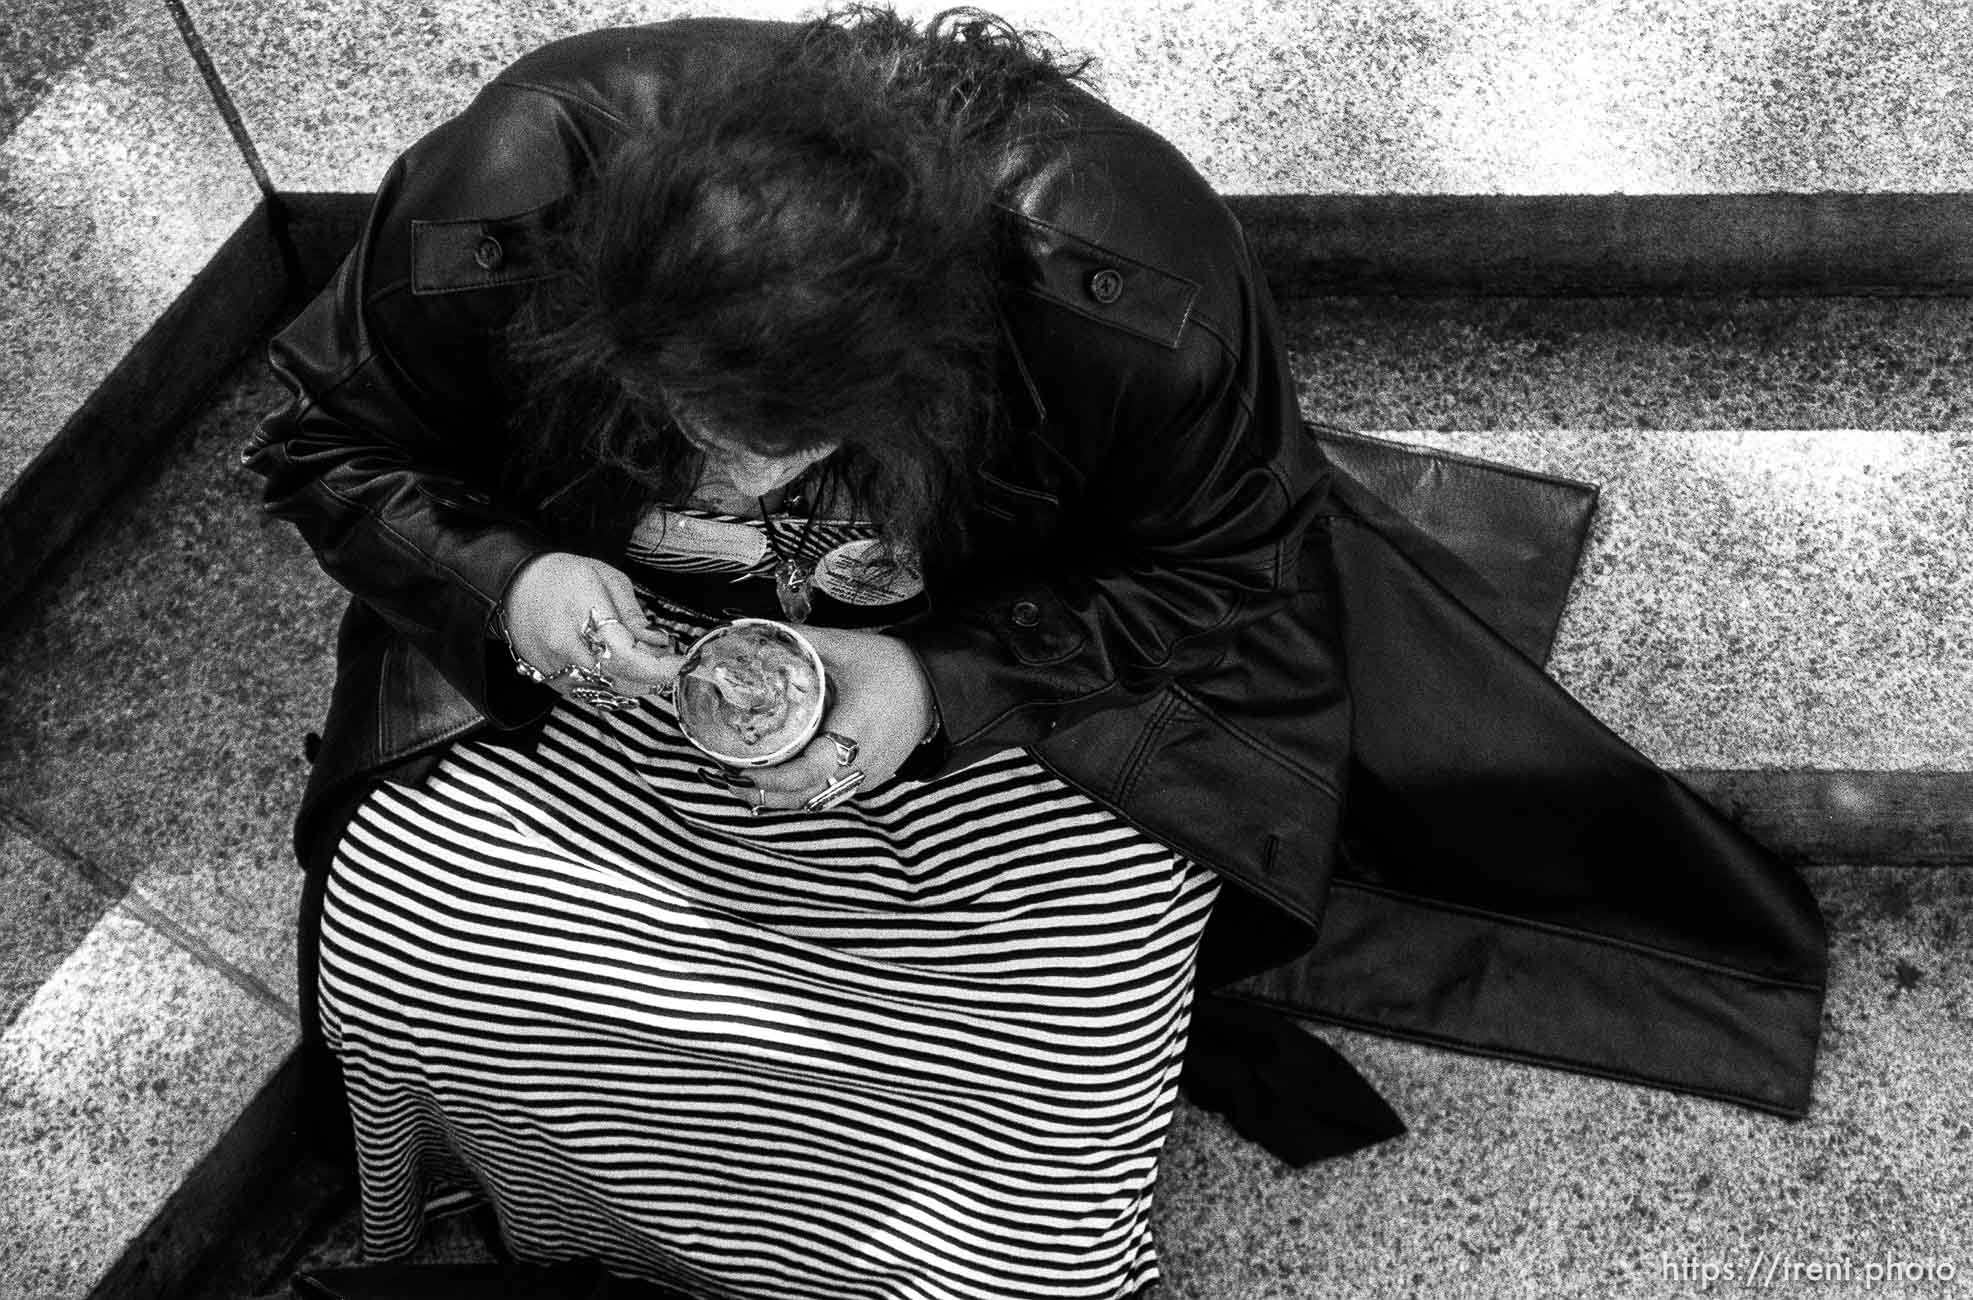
[802, 253]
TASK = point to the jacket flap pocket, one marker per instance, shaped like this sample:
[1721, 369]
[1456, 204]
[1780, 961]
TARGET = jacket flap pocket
[1108, 286]
[480, 252]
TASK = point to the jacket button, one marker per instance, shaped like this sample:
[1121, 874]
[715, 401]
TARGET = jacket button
[489, 255]
[1106, 286]
[1026, 614]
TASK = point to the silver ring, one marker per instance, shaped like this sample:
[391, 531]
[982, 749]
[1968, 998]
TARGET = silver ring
[609, 701]
[592, 634]
[758, 807]
[838, 790]
[594, 687]
[845, 747]
[594, 679]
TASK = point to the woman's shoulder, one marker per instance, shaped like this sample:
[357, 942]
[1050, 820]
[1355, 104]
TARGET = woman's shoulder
[1130, 303]
[1117, 227]
[467, 205]
[625, 75]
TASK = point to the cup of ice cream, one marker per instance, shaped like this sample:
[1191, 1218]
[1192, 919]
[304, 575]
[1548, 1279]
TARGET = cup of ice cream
[750, 693]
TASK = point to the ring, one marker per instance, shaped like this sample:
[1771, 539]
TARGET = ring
[594, 679]
[592, 634]
[759, 806]
[836, 791]
[594, 687]
[609, 701]
[845, 747]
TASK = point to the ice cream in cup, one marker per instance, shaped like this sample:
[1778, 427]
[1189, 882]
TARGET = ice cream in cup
[750, 693]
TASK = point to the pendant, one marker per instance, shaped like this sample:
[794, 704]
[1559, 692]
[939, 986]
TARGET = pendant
[791, 589]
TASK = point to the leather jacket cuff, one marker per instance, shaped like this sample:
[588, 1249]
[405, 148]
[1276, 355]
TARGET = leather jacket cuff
[929, 759]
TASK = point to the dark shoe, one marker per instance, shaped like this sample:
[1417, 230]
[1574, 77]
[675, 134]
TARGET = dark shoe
[1280, 1086]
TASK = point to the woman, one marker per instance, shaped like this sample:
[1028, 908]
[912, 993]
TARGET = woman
[901, 335]
[720, 318]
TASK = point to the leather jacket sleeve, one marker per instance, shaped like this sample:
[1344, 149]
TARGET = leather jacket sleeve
[386, 457]
[1190, 484]
[390, 456]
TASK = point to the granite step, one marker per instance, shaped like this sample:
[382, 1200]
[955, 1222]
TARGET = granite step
[1487, 147]
[136, 257]
[154, 686]
[160, 677]
[1274, 97]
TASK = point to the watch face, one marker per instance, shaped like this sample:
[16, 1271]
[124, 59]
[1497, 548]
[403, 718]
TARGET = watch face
[750, 693]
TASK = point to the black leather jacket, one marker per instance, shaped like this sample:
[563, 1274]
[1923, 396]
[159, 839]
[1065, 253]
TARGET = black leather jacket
[1186, 606]
[1141, 534]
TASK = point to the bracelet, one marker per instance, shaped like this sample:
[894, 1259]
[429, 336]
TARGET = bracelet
[521, 666]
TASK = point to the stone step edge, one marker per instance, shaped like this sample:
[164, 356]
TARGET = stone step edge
[227, 308]
[200, 1223]
[1828, 243]
[1827, 818]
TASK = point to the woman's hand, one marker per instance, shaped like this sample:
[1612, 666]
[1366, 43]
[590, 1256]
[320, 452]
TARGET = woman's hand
[883, 705]
[552, 601]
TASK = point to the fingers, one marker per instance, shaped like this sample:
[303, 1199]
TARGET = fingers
[622, 596]
[877, 721]
[819, 770]
[639, 660]
[577, 622]
[792, 783]
[642, 658]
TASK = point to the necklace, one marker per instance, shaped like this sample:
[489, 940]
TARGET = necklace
[790, 574]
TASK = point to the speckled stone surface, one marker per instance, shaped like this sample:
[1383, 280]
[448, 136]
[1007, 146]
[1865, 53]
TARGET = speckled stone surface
[1516, 1181]
[1277, 96]
[161, 679]
[1754, 599]
[115, 1079]
[40, 40]
[331, 94]
[1542, 97]
[45, 911]
[115, 190]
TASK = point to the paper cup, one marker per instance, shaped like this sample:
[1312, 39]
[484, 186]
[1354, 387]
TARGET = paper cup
[751, 693]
